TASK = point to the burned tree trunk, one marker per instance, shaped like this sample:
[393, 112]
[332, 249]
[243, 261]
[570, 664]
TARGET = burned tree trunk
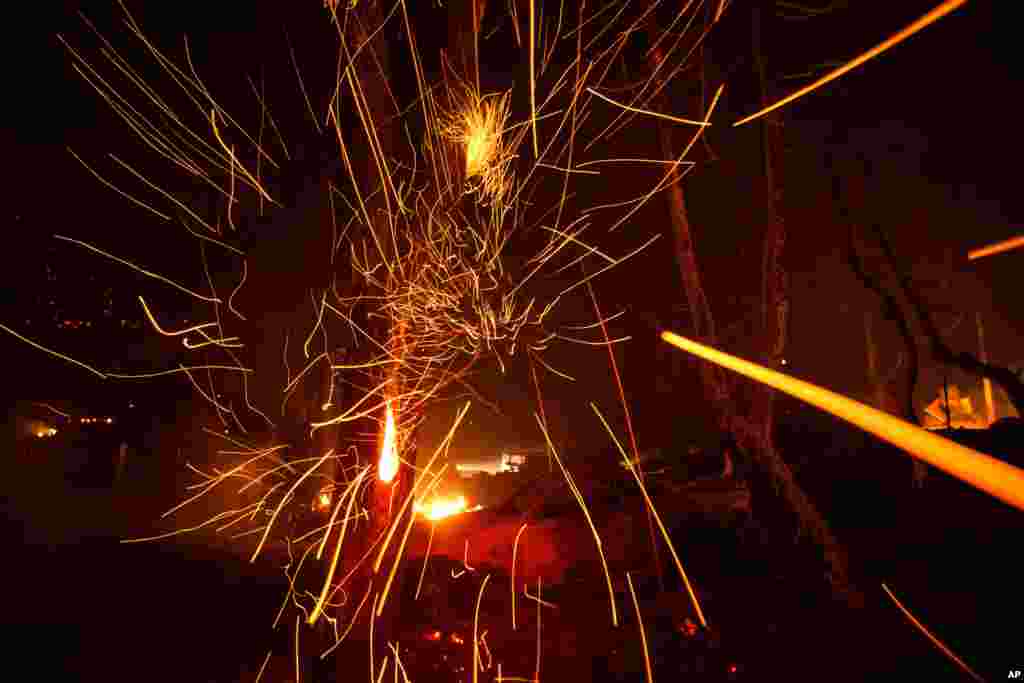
[366, 79]
[1004, 377]
[754, 432]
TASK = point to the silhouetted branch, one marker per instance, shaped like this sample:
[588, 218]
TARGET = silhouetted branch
[967, 362]
[891, 311]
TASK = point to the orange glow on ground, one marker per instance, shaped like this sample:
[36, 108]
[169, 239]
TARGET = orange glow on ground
[387, 468]
[439, 508]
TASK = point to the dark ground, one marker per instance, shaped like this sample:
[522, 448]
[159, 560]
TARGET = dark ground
[81, 606]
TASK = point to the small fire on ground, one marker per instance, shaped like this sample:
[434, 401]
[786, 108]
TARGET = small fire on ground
[439, 508]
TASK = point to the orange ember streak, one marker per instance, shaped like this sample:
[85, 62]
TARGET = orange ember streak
[997, 248]
[640, 625]
[476, 626]
[352, 492]
[388, 466]
[536, 672]
[935, 641]
[657, 518]
[929, 18]
[997, 478]
[586, 513]
[394, 566]
[426, 556]
[515, 548]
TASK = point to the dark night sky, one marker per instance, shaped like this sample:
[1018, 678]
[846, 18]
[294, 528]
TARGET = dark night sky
[930, 117]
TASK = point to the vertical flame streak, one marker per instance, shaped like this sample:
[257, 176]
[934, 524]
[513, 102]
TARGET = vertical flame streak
[387, 468]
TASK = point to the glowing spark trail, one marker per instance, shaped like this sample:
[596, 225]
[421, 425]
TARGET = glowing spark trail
[674, 119]
[512, 579]
[476, 626]
[145, 272]
[925, 21]
[640, 625]
[657, 518]
[935, 641]
[997, 248]
[352, 493]
[586, 513]
[995, 477]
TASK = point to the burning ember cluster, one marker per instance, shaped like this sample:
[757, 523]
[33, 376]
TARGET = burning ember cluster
[433, 268]
[433, 247]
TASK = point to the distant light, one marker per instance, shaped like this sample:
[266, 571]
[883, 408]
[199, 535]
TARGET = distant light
[784, 361]
[110, 420]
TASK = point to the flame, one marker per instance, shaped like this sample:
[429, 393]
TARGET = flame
[477, 124]
[480, 140]
[44, 432]
[387, 468]
[439, 508]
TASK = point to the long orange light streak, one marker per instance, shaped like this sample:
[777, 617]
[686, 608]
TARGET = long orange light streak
[287, 496]
[512, 580]
[352, 492]
[928, 19]
[147, 273]
[631, 466]
[426, 556]
[586, 513]
[997, 248]
[935, 641]
[394, 565]
[995, 477]
[476, 626]
[640, 625]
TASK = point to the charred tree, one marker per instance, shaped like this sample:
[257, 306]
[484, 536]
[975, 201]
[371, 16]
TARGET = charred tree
[753, 432]
[968, 362]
